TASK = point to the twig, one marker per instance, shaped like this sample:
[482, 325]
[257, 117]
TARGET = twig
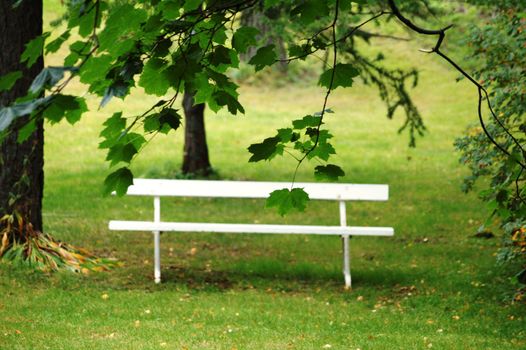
[329, 89]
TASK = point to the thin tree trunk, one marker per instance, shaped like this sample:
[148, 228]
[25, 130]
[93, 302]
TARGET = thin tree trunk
[195, 158]
[21, 165]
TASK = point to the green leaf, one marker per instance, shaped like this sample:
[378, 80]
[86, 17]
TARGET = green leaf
[26, 131]
[162, 49]
[114, 127]
[219, 37]
[95, 69]
[168, 119]
[243, 38]
[265, 56]
[151, 123]
[118, 181]
[222, 98]
[152, 78]
[74, 115]
[9, 80]
[346, 5]
[121, 153]
[170, 9]
[47, 78]
[8, 114]
[122, 25]
[169, 116]
[76, 50]
[134, 138]
[285, 135]
[124, 148]
[34, 50]
[300, 51]
[86, 22]
[203, 89]
[343, 76]
[305, 122]
[117, 89]
[220, 55]
[309, 10]
[55, 45]
[329, 172]
[286, 200]
[264, 150]
[270, 3]
[322, 151]
[67, 106]
[190, 5]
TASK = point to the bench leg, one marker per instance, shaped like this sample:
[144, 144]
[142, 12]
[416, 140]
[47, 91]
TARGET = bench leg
[157, 256]
[346, 262]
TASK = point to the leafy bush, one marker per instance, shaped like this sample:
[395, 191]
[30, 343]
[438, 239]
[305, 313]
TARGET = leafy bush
[500, 45]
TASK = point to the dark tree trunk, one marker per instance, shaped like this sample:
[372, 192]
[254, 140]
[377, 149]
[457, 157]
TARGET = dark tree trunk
[195, 158]
[256, 17]
[21, 165]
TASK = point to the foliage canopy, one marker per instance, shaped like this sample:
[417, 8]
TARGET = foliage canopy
[170, 46]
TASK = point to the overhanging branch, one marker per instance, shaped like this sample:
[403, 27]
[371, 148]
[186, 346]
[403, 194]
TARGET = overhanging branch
[482, 92]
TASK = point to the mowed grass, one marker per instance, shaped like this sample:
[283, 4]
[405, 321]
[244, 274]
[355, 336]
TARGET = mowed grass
[430, 286]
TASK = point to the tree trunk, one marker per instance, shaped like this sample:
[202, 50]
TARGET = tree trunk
[255, 17]
[21, 165]
[195, 158]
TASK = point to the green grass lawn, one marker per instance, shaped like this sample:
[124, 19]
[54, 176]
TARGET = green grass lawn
[430, 286]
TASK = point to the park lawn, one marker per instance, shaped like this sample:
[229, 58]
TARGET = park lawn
[432, 285]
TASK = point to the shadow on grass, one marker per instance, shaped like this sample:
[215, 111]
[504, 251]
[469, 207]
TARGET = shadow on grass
[278, 275]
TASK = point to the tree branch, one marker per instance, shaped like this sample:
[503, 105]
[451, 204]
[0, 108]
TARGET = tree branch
[482, 92]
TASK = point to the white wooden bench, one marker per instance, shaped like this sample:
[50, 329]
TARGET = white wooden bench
[249, 189]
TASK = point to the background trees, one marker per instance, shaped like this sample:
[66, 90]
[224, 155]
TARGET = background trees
[499, 48]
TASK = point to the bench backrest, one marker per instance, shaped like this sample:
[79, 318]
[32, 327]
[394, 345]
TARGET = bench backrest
[255, 189]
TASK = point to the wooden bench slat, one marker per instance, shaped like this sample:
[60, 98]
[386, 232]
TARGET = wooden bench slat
[255, 189]
[249, 228]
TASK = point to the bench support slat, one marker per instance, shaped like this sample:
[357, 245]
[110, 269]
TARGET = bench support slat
[249, 228]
